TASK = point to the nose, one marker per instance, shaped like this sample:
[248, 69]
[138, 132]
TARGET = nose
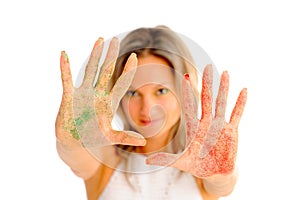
[147, 104]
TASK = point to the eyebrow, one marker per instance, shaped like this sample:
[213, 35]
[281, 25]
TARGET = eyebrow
[157, 85]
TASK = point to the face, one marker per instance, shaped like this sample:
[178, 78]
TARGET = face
[150, 104]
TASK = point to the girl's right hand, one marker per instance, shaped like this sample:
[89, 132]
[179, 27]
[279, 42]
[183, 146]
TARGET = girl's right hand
[85, 114]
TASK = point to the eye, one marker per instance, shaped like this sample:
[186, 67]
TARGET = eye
[132, 93]
[162, 91]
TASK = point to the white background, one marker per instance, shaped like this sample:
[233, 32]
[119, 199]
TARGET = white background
[258, 42]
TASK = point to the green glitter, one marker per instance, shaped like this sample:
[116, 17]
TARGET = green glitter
[78, 121]
[84, 117]
[66, 56]
[105, 93]
[97, 94]
[75, 133]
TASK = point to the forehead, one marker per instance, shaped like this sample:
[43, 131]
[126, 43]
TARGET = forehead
[153, 74]
[148, 58]
[153, 70]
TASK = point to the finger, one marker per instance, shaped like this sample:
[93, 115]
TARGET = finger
[124, 81]
[94, 132]
[221, 101]
[66, 73]
[108, 66]
[238, 108]
[92, 66]
[212, 136]
[189, 109]
[206, 93]
[162, 159]
[127, 138]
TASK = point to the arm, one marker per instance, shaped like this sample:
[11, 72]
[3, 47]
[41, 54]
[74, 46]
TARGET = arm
[68, 145]
[84, 134]
[211, 148]
[81, 162]
[96, 184]
[220, 185]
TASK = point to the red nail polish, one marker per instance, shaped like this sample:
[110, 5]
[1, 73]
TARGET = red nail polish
[186, 76]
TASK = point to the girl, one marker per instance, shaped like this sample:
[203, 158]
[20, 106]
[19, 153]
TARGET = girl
[163, 151]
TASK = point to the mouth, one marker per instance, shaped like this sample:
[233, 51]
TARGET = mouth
[144, 122]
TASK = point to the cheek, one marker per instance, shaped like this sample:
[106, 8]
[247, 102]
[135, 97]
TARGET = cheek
[130, 108]
[173, 109]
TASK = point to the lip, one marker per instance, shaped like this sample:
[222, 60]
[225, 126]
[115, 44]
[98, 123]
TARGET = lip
[148, 122]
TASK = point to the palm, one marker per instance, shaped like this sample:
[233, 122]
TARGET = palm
[211, 142]
[86, 112]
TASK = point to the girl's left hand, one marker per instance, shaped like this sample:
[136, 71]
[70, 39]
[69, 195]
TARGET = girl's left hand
[211, 142]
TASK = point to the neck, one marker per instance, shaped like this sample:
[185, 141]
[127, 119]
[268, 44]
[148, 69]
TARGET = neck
[154, 144]
[157, 143]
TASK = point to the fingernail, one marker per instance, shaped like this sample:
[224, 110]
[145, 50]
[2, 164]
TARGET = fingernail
[100, 40]
[131, 59]
[133, 54]
[186, 76]
[65, 56]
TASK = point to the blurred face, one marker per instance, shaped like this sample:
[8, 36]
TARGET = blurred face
[150, 104]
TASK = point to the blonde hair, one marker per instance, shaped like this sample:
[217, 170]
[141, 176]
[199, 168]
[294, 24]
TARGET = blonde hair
[163, 42]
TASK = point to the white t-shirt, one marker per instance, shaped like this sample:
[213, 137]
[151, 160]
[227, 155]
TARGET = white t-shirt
[145, 182]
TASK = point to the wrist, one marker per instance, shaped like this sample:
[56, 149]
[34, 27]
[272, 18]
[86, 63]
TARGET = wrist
[221, 185]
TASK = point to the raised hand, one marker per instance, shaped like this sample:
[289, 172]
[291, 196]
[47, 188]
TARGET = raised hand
[211, 142]
[86, 112]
